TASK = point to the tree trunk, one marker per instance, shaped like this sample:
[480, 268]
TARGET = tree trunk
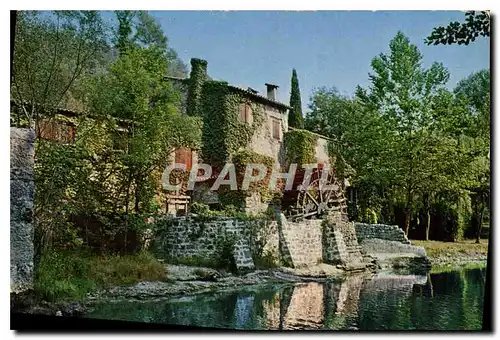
[427, 224]
[13, 21]
[480, 224]
[408, 211]
[427, 211]
[429, 281]
[407, 220]
[126, 213]
[136, 204]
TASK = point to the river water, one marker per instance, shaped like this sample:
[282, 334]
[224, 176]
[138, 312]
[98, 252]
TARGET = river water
[443, 301]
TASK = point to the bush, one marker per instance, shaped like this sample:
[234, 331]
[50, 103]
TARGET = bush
[225, 246]
[71, 274]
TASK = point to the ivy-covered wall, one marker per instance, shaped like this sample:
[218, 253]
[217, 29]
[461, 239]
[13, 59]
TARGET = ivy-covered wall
[223, 133]
[239, 198]
[300, 147]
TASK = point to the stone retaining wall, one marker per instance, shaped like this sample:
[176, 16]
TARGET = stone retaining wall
[377, 246]
[380, 231]
[301, 243]
[188, 237]
[294, 244]
[22, 190]
[307, 243]
[340, 243]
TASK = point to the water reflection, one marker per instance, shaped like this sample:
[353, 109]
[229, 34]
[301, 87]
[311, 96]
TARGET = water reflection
[451, 300]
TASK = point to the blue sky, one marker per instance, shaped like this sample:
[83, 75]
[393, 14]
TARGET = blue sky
[328, 48]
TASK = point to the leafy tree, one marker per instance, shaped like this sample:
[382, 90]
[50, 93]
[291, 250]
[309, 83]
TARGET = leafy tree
[134, 90]
[295, 118]
[126, 134]
[402, 92]
[124, 30]
[359, 137]
[330, 113]
[476, 24]
[52, 52]
[141, 29]
[473, 93]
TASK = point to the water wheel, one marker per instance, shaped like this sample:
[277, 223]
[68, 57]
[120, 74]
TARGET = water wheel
[319, 197]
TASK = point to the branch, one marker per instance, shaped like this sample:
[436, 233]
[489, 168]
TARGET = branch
[44, 101]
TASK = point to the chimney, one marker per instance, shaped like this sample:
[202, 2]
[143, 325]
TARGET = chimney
[272, 92]
[199, 66]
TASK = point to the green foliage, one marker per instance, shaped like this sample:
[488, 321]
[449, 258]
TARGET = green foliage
[300, 146]
[195, 261]
[131, 106]
[72, 274]
[259, 234]
[135, 90]
[197, 78]
[213, 98]
[477, 23]
[454, 210]
[205, 214]
[408, 139]
[52, 52]
[295, 118]
[223, 133]
[370, 216]
[402, 93]
[225, 246]
[330, 113]
[267, 260]
[124, 30]
[141, 29]
[199, 208]
[184, 131]
[240, 160]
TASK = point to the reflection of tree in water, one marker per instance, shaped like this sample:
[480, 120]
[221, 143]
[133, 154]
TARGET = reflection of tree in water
[451, 300]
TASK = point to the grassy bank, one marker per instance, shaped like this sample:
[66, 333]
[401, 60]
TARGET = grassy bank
[71, 274]
[462, 252]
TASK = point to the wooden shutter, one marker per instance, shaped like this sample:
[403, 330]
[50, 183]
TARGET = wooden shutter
[56, 130]
[184, 156]
[242, 115]
[248, 114]
[276, 129]
[245, 113]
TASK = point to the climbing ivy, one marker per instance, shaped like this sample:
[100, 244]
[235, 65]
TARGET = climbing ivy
[342, 168]
[196, 80]
[223, 133]
[300, 146]
[240, 160]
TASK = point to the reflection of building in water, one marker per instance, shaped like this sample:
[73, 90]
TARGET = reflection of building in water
[399, 283]
[243, 310]
[348, 297]
[333, 305]
[272, 312]
[314, 305]
[389, 293]
[306, 308]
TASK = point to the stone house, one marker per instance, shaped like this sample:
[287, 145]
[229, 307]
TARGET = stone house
[267, 138]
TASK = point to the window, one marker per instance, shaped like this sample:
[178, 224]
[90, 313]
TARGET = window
[184, 156]
[276, 129]
[245, 113]
[56, 130]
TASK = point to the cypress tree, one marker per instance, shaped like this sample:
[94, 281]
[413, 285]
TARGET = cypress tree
[295, 118]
